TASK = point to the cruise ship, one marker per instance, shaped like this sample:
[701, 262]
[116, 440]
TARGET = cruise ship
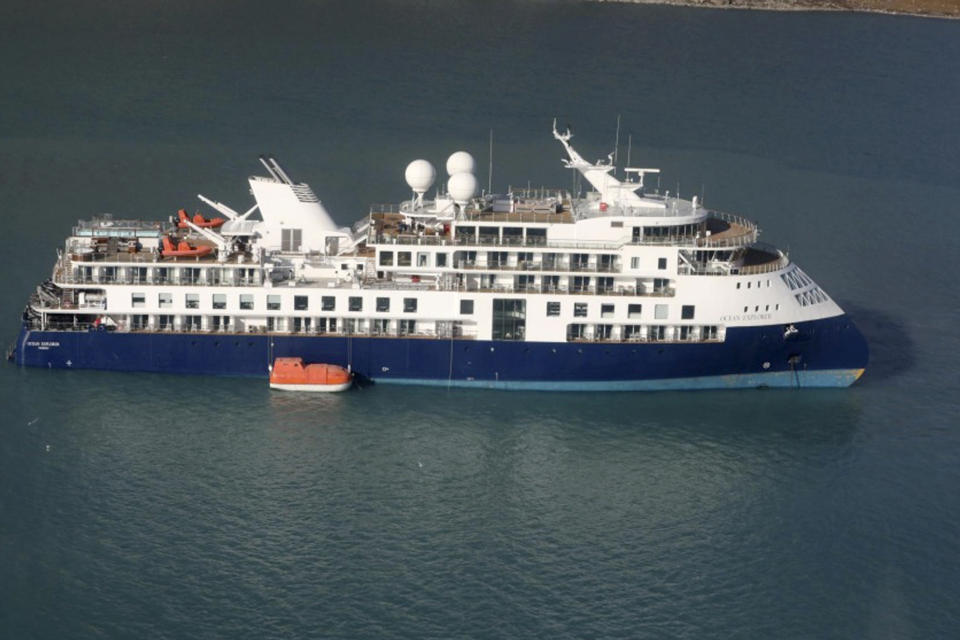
[606, 285]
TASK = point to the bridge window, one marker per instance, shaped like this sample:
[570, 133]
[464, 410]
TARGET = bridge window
[355, 303]
[328, 303]
[553, 309]
[246, 302]
[192, 301]
[300, 303]
[633, 310]
[466, 307]
[383, 305]
[660, 312]
[579, 309]
[409, 305]
[686, 312]
[403, 258]
[165, 300]
[138, 300]
[661, 263]
[386, 258]
[606, 311]
[273, 303]
[219, 301]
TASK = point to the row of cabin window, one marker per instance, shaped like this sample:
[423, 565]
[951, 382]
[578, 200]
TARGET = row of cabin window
[404, 259]
[300, 303]
[635, 263]
[632, 331]
[661, 311]
[499, 258]
[756, 308]
[759, 282]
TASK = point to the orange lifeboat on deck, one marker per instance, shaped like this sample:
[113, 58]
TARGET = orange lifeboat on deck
[290, 374]
[182, 250]
[199, 221]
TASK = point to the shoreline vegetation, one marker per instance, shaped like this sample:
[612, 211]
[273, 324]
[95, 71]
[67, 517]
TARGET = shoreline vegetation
[924, 8]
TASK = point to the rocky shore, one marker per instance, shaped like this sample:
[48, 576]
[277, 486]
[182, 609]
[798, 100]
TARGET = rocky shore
[931, 8]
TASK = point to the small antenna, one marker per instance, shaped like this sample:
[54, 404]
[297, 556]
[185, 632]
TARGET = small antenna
[490, 168]
[629, 147]
[616, 145]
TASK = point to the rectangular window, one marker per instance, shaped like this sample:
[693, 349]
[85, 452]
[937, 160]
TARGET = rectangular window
[409, 305]
[403, 258]
[273, 303]
[660, 312]
[165, 300]
[219, 301]
[575, 331]
[602, 331]
[553, 309]
[406, 327]
[466, 307]
[579, 309]
[509, 319]
[441, 259]
[631, 332]
[355, 303]
[662, 263]
[633, 310]
[606, 311]
[138, 300]
[193, 301]
[616, 224]
[386, 258]
[300, 303]
[246, 302]
[422, 258]
[686, 312]
[383, 305]
[328, 303]
[291, 239]
[635, 262]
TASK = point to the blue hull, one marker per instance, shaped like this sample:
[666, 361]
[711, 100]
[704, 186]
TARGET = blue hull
[824, 353]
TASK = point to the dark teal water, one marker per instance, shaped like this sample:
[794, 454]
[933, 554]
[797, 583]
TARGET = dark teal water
[158, 506]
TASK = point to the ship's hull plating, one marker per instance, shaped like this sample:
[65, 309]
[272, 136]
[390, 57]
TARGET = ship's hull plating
[824, 353]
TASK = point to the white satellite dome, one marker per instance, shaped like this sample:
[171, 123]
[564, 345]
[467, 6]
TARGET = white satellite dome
[460, 162]
[462, 186]
[420, 175]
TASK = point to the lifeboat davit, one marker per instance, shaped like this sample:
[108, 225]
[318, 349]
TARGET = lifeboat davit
[182, 250]
[290, 374]
[199, 221]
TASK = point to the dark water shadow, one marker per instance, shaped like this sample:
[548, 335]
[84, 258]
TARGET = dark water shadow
[892, 349]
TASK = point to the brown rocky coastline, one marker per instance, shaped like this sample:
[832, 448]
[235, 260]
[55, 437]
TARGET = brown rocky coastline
[930, 8]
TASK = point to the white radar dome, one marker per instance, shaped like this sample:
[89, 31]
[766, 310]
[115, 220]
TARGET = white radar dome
[462, 186]
[420, 175]
[460, 162]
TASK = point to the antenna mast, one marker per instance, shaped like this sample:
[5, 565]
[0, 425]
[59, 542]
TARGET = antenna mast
[490, 168]
[616, 145]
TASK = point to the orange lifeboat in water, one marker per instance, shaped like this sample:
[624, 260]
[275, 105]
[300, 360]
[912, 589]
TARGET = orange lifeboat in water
[199, 221]
[290, 374]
